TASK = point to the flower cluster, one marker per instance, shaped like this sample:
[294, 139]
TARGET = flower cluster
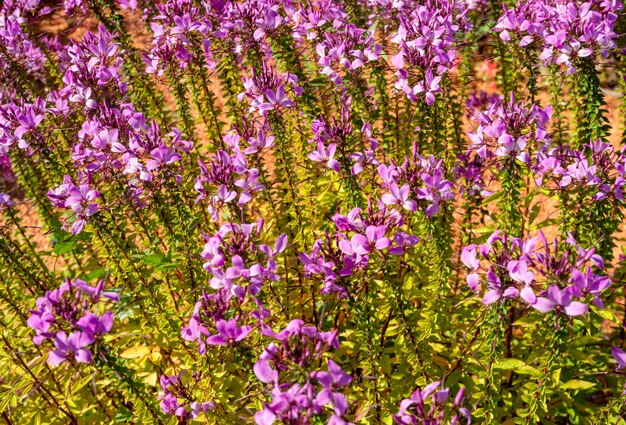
[418, 183]
[340, 134]
[177, 398]
[17, 46]
[297, 350]
[267, 90]
[426, 47]
[469, 175]
[230, 179]
[115, 142]
[248, 24]
[21, 126]
[237, 263]
[349, 48]
[67, 317]
[94, 67]
[179, 30]
[596, 167]
[359, 236]
[565, 31]
[511, 130]
[311, 18]
[428, 406]
[481, 101]
[80, 198]
[239, 268]
[545, 276]
[209, 315]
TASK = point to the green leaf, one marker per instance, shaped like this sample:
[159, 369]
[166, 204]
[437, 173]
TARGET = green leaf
[606, 314]
[493, 197]
[135, 352]
[64, 247]
[577, 384]
[509, 364]
[530, 319]
[158, 262]
[94, 274]
[123, 415]
[516, 365]
[545, 223]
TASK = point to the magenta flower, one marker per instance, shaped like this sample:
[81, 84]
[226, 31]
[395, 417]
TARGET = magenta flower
[563, 299]
[40, 322]
[277, 99]
[28, 120]
[620, 356]
[429, 86]
[541, 304]
[264, 372]
[518, 271]
[496, 291]
[325, 154]
[94, 325]
[72, 346]
[428, 406]
[334, 378]
[469, 259]
[374, 239]
[399, 196]
[228, 333]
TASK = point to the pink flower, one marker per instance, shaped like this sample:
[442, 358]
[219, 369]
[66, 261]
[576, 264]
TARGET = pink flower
[399, 196]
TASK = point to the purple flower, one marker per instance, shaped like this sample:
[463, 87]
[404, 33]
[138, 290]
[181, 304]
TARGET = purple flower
[334, 378]
[264, 372]
[94, 325]
[399, 196]
[563, 298]
[496, 290]
[518, 271]
[429, 86]
[40, 322]
[177, 398]
[28, 120]
[64, 310]
[428, 406]
[80, 198]
[469, 259]
[66, 347]
[591, 283]
[620, 356]
[325, 154]
[276, 99]
[228, 332]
